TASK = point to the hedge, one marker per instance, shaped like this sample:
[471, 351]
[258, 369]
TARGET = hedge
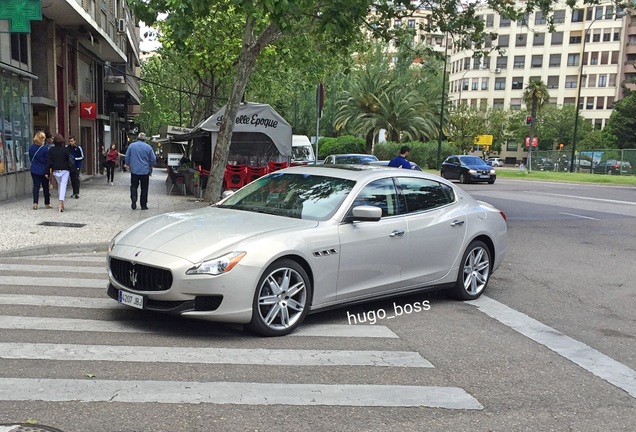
[422, 153]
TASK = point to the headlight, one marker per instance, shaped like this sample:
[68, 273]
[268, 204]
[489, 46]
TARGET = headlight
[472, 172]
[112, 243]
[492, 171]
[217, 266]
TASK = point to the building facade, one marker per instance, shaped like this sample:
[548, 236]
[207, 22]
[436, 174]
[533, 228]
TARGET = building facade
[590, 44]
[74, 71]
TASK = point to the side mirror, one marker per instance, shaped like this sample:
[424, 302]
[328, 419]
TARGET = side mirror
[226, 194]
[366, 213]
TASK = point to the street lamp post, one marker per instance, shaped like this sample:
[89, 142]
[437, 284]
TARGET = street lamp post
[441, 113]
[581, 76]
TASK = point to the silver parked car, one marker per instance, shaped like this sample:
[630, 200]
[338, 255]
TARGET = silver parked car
[305, 239]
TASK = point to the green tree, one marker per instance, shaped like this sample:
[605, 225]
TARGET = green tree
[535, 96]
[622, 122]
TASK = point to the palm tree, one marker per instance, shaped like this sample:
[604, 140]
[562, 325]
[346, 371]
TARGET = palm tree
[535, 96]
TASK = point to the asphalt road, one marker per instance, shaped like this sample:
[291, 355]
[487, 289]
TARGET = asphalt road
[550, 347]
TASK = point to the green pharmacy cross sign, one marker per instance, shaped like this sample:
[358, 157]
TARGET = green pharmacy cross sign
[20, 13]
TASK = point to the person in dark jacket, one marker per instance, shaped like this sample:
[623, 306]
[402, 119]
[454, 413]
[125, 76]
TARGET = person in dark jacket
[78, 155]
[39, 155]
[400, 160]
[59, 163]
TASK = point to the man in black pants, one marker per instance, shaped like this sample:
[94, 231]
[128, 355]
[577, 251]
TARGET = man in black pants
[140, 158]
[78, 154]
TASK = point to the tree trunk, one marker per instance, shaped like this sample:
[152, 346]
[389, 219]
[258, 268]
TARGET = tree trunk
[369, 142]
[250, 50]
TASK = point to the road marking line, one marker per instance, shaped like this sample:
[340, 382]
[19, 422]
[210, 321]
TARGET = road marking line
[54, 282]
[577, 352]
[577, 215]
[271, 357]
[60, 301]
[587, 198]
[86, 325]
[240, 393]
[75, 268]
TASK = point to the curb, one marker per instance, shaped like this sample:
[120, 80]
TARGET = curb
[56, 250]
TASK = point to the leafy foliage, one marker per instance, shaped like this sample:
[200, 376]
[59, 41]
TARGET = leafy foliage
[622, 122]
[422, 153]
[340, 145]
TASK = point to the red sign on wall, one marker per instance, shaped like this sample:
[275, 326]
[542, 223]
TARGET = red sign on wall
[88, 110]
[535, 141]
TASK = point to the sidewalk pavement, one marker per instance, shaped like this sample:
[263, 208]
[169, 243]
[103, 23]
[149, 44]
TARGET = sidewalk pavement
[102, 210]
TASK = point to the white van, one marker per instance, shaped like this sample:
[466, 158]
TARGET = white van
[302, 151]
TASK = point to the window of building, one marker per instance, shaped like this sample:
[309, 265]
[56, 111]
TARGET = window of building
[604, 57]
[539, 18]
[397, 23]
[570, 81]
[475, 84]
[569, 101]
[555, 60]
[519, 62]
[19, 47]
[559, 16]
[411, 23]
[490, 20]
[598, 124]
[502, 62]
[617, 35]
[486, 63]
[577, 15]
[612, 80]
[600, 103]
[602, 80]
[588, 14]
[610, 102]
[609, 12]
[553, 82]
[538, 39]
[465, 84]
[504, 22]
[503, 40]
[594, 58]
[596, 37]
[614, 59]
[598, 12]
[607, 35]
[537, 61]
[15, 112]
[573, 59]
[498, 104]
[467, 63]
[500, 83]
[557, 38]
[589, 103]
[575, 39]
[515, 104]
[517, 83]
[521, 40]
[523, 21]
[591, 80]
[484, 83]
[476, 63]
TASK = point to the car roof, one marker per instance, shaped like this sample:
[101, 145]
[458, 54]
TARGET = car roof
[357, 172]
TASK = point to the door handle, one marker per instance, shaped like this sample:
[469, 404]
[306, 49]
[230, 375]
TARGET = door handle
[396, 233]
[457, 223]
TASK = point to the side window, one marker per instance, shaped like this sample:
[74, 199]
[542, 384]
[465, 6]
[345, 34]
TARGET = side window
[422, 194]
[379, 193]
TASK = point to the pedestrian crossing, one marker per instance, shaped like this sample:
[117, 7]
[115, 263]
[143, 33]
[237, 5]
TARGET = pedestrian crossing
[43, 326]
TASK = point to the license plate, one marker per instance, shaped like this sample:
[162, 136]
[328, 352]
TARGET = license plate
[484, 176]
[131, 299]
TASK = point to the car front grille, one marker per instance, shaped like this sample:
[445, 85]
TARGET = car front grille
[140, 277]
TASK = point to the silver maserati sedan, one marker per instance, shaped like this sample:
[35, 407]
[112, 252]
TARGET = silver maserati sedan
[305, 239]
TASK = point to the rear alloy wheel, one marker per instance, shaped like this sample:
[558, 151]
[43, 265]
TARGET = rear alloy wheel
[281, 300]
[474, 272]
[462, 178]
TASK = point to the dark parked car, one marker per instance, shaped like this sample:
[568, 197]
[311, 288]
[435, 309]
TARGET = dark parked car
[352, 158]
[613, 166]
[542, 164]
[467, 169]
[414, 166]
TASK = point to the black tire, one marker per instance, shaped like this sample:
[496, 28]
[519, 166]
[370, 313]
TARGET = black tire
[474, 272]
[462, 178]
[278, 314]
[442, 174]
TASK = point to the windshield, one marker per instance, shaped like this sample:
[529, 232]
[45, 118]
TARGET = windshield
[472, 160]
[300, 196]
[355, 159]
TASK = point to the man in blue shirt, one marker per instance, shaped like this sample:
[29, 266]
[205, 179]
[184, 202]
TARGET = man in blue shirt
[140, 158]
[400, 161]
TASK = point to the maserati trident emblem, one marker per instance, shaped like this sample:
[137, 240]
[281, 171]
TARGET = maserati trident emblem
[133, 277]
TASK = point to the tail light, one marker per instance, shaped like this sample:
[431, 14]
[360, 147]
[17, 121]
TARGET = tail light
[503, 215]
[615, 166]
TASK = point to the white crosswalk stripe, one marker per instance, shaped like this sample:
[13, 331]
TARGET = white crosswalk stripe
[111, 349]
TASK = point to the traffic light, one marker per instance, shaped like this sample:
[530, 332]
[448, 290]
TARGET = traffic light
[560, 146]
[528, 120]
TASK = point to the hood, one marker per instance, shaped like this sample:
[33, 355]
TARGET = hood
[200, 232]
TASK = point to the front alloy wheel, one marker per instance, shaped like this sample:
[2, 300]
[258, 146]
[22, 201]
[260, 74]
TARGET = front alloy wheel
[282, 299]
[474, 273]
[462, 178]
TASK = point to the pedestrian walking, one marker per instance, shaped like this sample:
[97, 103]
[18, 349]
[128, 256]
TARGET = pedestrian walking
[111, 161]
[39, 156]
[140, 158]
[78, 155]
[60, 164]
[49, 145]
